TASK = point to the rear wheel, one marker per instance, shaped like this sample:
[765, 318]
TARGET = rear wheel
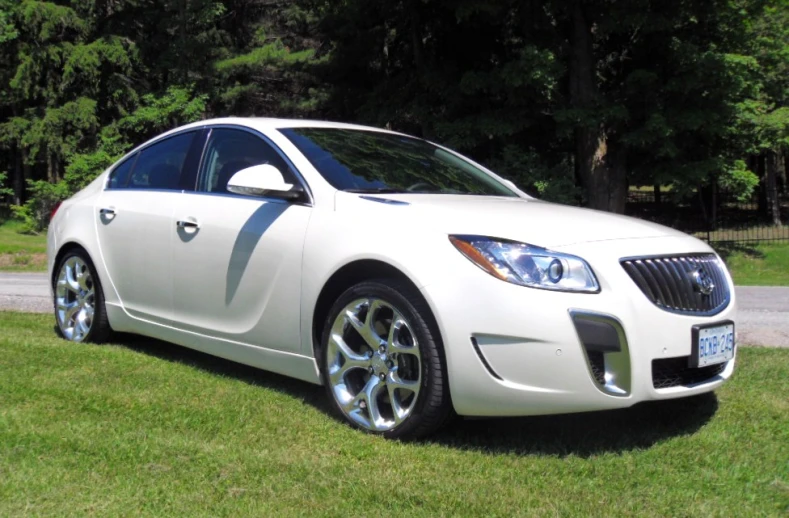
[79, 300]
[382, 361]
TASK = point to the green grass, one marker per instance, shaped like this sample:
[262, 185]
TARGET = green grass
[157, 430]
[760, 265]
[20, 252]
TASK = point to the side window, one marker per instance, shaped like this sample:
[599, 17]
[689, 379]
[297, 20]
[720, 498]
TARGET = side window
[159, 166]
[229, 151]
[119, 176]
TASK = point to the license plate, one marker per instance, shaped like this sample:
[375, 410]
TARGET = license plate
[712, 344]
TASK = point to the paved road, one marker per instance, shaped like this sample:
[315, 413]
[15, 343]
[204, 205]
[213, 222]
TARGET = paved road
[25, 292]
[763, 317]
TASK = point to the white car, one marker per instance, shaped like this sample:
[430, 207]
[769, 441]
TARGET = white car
[407, 279]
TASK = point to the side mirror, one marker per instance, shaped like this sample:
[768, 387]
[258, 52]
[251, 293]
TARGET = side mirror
[263, 180]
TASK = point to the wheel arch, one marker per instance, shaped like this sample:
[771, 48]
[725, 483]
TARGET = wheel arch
[346, 276]
[62, 251]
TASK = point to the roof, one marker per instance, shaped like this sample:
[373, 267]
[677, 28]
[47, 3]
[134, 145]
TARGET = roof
[274, 123]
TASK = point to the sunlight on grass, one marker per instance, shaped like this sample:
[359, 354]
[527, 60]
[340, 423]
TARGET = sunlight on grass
[760, 265]
[149, 428]
[20, 252]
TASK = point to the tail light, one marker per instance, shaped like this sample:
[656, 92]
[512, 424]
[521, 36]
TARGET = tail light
[54, 210]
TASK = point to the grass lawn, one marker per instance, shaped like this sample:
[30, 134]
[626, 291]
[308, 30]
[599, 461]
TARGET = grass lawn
[153, 429]
[759, 265]
[19, 252]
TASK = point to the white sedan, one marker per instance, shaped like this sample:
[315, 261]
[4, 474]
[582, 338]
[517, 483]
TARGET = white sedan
[408, 280]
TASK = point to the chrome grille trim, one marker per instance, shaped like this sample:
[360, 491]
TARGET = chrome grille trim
[668, 282]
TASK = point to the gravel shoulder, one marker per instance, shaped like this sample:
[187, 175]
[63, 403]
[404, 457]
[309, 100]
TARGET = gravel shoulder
[763, 319]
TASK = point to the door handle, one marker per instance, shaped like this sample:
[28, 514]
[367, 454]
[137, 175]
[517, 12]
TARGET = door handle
[107, 212]
[192, 225]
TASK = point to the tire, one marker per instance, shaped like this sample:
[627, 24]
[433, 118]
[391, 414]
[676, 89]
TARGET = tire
[406, 375]
[76, 285]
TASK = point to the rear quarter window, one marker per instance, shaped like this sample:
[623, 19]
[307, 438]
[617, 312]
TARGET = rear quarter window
[159, 166]
[119, 176]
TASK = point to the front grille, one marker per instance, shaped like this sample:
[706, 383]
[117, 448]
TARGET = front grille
[674, 372]
[669, 282]
[597, 364]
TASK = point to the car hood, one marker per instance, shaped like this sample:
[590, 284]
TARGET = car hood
[520, 219]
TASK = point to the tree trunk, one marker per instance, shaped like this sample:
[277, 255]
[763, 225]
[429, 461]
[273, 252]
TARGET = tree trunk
[183, 65]
[762, 207]
[52, 171]
[600, 163]
[26, 175]
[772, 161]
[18, 179]
[419, 61]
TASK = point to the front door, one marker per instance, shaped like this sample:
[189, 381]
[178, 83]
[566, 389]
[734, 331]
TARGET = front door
[237, 259]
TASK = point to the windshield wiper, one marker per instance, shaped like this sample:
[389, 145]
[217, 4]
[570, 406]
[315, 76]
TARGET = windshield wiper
[376, 190]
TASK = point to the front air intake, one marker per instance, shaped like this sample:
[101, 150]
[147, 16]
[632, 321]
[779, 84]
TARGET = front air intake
[675, 372]
[604, 344]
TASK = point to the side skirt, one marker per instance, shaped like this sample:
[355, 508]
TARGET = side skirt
[293, 365]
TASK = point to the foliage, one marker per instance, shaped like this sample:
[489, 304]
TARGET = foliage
[4, 191]
[738, 179]
[552, 182]
[685, 94]
[34, 214]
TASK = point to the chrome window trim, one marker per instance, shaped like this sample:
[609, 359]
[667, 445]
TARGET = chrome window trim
[310, 201]
[245, 197]
[140, 149]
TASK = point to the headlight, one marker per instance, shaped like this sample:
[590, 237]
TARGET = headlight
[527, 265]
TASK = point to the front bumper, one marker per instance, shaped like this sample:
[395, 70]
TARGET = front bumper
[513, 350]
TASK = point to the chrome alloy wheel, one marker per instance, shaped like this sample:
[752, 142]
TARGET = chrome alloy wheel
[75, 298]
[374, 364]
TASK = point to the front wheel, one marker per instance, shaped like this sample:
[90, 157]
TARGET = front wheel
[382, 361]
[79, 300]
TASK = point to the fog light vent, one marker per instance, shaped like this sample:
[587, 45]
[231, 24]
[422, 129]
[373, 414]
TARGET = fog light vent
[605, 346]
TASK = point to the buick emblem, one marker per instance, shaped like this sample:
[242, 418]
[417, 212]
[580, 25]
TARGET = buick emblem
[702, 282]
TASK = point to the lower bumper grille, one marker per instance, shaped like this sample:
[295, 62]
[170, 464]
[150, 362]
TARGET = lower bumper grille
[674, 372]
[597, 364]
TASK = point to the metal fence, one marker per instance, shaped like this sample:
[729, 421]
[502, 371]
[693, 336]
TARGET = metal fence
[716, 217]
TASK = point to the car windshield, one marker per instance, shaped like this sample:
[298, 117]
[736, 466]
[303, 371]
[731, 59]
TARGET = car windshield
[376, 162]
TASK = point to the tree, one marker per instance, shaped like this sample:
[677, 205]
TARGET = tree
[575, 100]
[619, 91]
[266, 68]
[65, 80]
[765, 117]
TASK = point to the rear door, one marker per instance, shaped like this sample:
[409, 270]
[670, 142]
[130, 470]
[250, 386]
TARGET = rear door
[237, 259]
[135, 223]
